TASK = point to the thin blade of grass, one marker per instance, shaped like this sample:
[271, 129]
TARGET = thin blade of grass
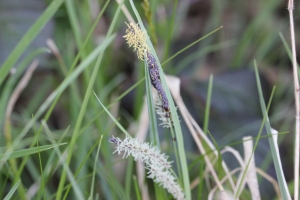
[84, 64]
[30, 151]
[12, 191]
[5, 94]
[170, 30]
[207, 106]
[128, 177]
[71, 177]
[247, 37]
[287, 49]
[256, 140]
[219, 167]
[197, 55]
[190, 45]
[84, 106]
[50, 166]
[94, 171]
[28, 38]
[112, 117]
[74, 22]
[84, 162]
[274, 147]
[136, 188]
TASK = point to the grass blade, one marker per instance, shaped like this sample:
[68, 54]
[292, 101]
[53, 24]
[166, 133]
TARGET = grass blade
[28, 38]
[94, 171]
[30, 151]
[12, 191]
[273, 145]
[84, 64]
[207, 106]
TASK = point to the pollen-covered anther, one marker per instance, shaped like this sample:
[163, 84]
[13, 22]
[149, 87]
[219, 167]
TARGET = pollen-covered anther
[136, 38]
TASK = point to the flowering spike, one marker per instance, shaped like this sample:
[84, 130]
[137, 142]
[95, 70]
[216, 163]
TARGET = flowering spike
[157, 163]
[140, 151]
[136, 37]
[165, 179]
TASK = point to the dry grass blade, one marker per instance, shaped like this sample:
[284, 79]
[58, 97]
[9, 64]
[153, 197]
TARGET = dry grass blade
[125, 11]
[174, 85]
[51, 44]
[14, 97]
[251, 177]
[296, 87]
[228, 176]
[240, 183]
[271, 180]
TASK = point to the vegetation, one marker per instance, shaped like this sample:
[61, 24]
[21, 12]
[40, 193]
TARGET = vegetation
[87, 116]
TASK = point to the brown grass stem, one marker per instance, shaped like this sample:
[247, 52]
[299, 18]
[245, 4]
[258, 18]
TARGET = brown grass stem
[14, 97]
[296, 85]
[174, 85]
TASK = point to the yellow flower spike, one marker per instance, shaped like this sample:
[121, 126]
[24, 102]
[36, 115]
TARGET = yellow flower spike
[137, 38]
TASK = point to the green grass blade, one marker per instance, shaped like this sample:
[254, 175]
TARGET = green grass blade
[201, 178]
[207, 106]
[81, 165]
[197, 55]
[112, 117]
[128, 176]
[273, 145]
[71, 177]
[190, 45]
[84, 106]
[218, 164]
[30, 151]
[28, 38]
[170, 30]
[9, 86]
[12, 191]
[256, 142]
[83, 65]
[136, 188]
[247, 37]
[287, 48]
[94, 171]
[74, 21]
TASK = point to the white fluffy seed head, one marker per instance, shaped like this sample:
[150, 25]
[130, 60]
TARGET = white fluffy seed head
[157, 163]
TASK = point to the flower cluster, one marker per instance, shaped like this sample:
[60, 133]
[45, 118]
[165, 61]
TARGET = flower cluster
[157, 163]
[164, 178]
[140, 151]
[137, 38]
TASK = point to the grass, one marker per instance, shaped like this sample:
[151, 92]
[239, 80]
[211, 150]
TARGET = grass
[55, 140]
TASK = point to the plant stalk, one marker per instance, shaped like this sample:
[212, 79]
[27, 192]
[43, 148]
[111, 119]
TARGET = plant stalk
[296, 85]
